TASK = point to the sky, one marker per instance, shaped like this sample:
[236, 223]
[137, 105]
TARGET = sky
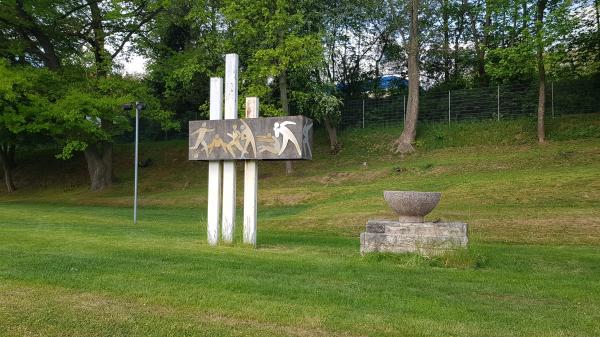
[132, 62]
[133, 65]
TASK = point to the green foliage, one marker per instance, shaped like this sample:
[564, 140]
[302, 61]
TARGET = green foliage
[517, 61]
[186, 48]
[512, 64]
[25, 97]
[572, 131]
[73, 110]
[275, 37]
[91, 112]
[78, 42]
[320, 105]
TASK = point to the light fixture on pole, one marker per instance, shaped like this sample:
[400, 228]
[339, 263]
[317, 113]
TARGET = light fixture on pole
[139, 106]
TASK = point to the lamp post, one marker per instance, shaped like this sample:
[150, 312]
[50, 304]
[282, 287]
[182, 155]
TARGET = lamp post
[139, 106]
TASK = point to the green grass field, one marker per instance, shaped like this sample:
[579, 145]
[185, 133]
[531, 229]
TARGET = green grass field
[73, 264]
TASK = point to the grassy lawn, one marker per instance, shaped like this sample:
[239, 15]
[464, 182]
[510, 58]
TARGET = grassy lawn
[73, 264]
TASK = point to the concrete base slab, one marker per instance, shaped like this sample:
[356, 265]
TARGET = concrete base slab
[427, 238]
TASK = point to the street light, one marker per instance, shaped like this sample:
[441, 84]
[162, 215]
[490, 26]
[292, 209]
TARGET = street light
[139, 106]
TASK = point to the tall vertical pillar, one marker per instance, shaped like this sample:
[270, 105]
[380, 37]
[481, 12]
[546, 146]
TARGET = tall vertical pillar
[229, 177]
[215, 166]
[250, 183]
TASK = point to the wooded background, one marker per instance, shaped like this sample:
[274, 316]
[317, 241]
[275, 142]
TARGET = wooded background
[62, 79]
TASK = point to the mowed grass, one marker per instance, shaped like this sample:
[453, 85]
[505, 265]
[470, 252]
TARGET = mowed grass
[73, 264]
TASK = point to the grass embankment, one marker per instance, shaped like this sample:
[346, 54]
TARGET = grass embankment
[71, 262]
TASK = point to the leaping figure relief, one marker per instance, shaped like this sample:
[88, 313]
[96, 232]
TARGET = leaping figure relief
[201, 132]
[287, 136]
[248, 138]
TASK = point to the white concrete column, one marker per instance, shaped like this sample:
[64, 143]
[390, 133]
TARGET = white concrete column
[214, 167]
[229, 179]
[250, 183]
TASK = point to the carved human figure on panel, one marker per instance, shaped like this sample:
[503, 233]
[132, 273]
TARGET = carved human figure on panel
[235, 136]
[216, 143]
[272, 144]
[287, 134]
[248, 138]
[305, 140]
[201, 132]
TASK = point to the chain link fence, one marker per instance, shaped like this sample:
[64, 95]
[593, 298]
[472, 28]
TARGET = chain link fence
[496, 102]
[489, 103]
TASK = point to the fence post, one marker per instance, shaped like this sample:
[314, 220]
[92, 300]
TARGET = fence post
[552, 98]
[363, 113]
[498, 105]
[448, 106]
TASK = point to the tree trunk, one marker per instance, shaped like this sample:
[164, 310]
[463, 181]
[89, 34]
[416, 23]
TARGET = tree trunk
[480, 44]
[487, 23]
[525, 15]
[409, 133]
[7, 157]
[334, 145]
[285, 106]
[101, 56]
[8, 178]
[460, 22]
[446, 44]
[541, 7]
[597, 6]
[515, 21]
[99, 156]
[99, 163]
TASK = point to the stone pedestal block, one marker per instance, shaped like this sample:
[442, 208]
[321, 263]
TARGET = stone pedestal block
[427, 238]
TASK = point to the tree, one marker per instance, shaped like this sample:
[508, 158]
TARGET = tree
[539, 21]
[186, 47]
[25, 93]
[328, 112]
[84, 35]
[90, 115]
[324, 107]
[481, 34]
[404, 143]
[356, 39]
[33, 37]
[552, 23]
[446, 44]
[278, 41]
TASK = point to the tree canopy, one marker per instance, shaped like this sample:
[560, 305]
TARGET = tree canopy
[63, 78]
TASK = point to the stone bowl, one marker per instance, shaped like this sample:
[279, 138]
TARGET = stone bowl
[411, 206]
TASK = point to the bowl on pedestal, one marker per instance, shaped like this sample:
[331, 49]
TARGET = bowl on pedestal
[411, 206]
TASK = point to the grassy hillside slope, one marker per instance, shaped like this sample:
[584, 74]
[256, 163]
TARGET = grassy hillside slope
[73, 264]
[492, 175]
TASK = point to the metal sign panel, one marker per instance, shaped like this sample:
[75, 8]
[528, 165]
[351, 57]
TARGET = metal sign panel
[270, 138]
